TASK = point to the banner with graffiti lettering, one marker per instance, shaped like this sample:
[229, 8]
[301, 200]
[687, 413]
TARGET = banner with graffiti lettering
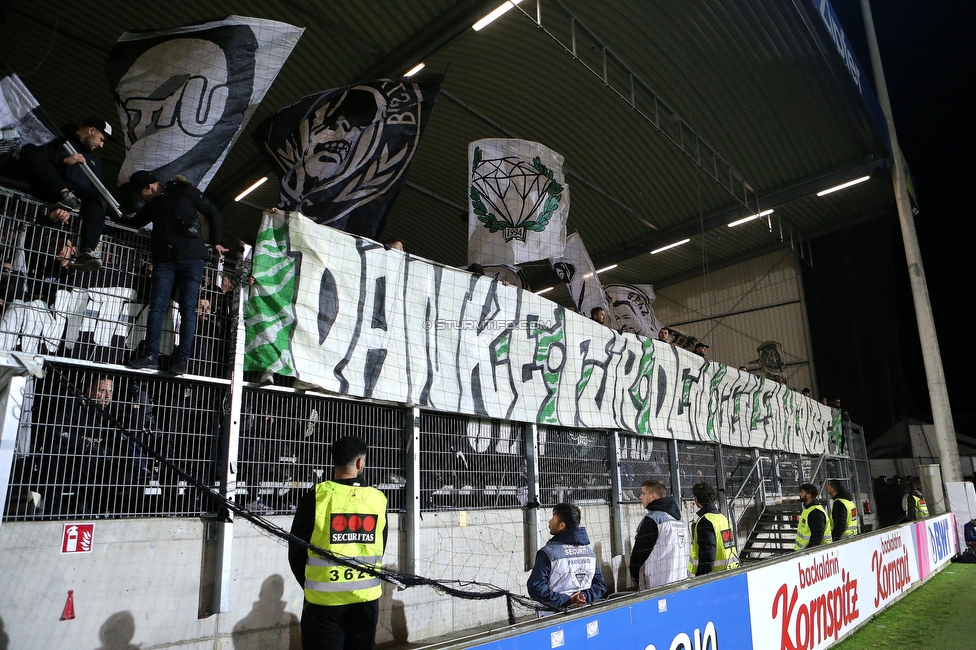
[343, 314]
[818, 597]
[518, 202]
[185, 94]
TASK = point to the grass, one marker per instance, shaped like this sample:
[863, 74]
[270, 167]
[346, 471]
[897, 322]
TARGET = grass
[940, 614]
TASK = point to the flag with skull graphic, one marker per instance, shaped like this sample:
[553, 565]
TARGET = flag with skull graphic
[575, 268]
[518, 202]
[185, 94]
[342, 154]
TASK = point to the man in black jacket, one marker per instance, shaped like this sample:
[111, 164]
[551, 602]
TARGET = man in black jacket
[178, 257]
[843, 511]
[57, 176]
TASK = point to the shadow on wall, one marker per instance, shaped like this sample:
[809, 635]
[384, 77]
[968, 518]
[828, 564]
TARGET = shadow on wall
[4, 639]
[396, 626]
[117, 631]
[268, 626]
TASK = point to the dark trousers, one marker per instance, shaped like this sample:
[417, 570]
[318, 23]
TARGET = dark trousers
[340, 627]
[186, 276]
[47, 183]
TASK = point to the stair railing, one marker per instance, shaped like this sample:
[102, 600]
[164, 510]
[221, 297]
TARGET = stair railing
[758, 496]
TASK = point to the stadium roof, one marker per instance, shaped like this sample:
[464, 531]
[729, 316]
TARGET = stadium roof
[675, 118]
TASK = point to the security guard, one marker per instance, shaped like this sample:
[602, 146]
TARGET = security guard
[843, 512]
[712, 539]
[349, 519]
[814, 528]
[913, 504]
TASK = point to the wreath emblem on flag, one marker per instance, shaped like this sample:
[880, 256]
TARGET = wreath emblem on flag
[522, 196]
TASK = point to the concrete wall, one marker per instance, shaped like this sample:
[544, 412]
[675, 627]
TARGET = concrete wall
[149, 582]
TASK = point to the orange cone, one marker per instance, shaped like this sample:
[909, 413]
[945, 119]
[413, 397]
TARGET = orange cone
[69, 607]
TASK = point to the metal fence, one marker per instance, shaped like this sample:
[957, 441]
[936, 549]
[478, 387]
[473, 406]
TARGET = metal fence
[470, 463]
[284, 447]
[71, 460]
[99, 317]
[574, 465]
[642, 458]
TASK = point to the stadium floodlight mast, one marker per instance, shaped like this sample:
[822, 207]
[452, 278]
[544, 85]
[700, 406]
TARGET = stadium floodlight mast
[496, 13]
[670, 246]
[945, 430]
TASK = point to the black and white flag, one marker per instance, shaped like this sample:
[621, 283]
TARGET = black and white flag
[342, 154]
[632, 309]
[518, 202]
[575, 268]
[185, 94]
[20, 123]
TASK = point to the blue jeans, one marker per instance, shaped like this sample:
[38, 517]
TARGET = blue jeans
[187, 276]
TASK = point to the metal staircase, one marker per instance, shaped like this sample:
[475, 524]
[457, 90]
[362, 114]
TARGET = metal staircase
[774, 532]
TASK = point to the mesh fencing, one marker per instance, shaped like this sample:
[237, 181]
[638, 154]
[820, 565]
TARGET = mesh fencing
[471, 464]
[70, 462]
[696, 464]
[574, 466]
[642, 458]
[285, 440]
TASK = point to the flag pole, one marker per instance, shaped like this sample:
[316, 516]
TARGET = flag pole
[945, 431]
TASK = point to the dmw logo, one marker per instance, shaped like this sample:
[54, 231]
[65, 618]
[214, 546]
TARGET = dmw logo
[940, 546]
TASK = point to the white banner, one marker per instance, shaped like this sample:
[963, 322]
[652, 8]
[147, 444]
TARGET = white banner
[339, 312]
[810, 602]
[518, 202]
[632, 309]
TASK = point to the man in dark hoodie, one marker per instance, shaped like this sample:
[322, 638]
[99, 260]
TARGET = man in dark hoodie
[566, 571]
[843, 512]
[660, 554]
[179, 254]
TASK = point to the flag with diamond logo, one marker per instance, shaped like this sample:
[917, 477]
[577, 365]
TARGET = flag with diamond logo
[518, 202]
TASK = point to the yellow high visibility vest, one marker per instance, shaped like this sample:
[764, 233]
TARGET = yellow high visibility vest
[921, 510]
[726, 556]
[803, 530]
[851, 525]
[349, 521]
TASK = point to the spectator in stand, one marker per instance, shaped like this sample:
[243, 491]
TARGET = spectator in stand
[712, 539]
[806, 392]
[566, 571]
[58, 177]
[599, 314]
[743, 369]
[843, 512]
[814, 527]
[701, 350]
[660, 553]
[179, 254]
[393, 244]
[664, 334]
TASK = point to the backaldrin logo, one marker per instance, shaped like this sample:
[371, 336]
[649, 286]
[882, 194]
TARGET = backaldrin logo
[349, 528]
[891, 568]
[827, 607]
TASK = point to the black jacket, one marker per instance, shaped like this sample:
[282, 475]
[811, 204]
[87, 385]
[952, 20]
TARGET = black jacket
[647, 534]
[176, 233]
[838, 515]
[706, 540]
[54, 154]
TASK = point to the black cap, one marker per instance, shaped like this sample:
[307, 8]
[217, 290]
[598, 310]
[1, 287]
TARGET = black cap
[141, 179]
[701, 345]
[101, 125]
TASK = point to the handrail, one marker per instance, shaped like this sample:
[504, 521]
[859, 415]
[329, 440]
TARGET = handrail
[745, 481]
